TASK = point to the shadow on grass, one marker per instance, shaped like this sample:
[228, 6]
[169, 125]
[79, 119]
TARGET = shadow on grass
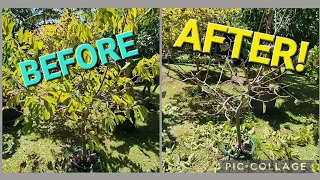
[146, 137]
[294, 113]
[301, 88]
[113, 164]
[10, 140]
[278, 117]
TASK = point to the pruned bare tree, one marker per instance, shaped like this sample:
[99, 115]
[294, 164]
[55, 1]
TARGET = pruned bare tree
[261, 85]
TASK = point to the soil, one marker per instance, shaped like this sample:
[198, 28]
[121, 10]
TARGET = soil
[246, 147]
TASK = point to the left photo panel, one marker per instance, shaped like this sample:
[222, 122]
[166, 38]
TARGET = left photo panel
[80, 90]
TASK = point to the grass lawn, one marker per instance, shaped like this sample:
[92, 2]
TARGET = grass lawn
[47, 149]
[188, 144]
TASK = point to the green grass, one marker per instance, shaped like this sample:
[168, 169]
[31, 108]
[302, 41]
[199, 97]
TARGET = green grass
[134, 153]
[179, 123]
[33, 154]
[48, 151]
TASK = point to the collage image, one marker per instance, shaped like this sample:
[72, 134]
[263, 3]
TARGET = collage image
[160, 90]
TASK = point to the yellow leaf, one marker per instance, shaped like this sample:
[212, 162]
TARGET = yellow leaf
[134, 12]
[64, 97]
[40, 45]
[20, 36]
[74, 117]
[55, 94]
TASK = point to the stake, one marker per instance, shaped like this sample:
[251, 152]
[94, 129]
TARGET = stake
[83, 139]
[238, 123]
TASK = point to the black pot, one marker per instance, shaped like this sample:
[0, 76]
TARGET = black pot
[9, 116]
[77, 168]
[257, 103]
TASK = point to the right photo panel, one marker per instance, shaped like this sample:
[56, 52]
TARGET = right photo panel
[240, 90]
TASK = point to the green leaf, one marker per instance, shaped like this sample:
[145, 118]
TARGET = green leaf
[129, 99]
[64, 97]
[28, 124]
[251, 131]
[121, 118]
[68, 85]
[224, 47]
[11, 25]
[18, 120]
[104, 123]
[5, 107]
[91, 145]
[26, 36]
[264, 108]
[46, 110]
[46, 114]
[273, 87]
[297, 102]
[20, 36]
[96, 140]
[74, 117]
[245, 52]
[111, 10]
[128, 115]
[14, 101]
[117, 99]
[141, 112]
[49, 99]
[126, 65]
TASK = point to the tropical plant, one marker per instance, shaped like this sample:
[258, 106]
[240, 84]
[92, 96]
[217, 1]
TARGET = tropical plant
[32, 18]
[87, 99]
[312, 64]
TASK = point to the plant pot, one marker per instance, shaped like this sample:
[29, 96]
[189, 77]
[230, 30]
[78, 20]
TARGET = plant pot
[257, 103]
[87, 167]
[243, 155]
[9, 116]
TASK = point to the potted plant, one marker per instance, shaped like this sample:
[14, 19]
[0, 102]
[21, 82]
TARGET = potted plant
[90, 163]
[85, 99]
[241, 148]
[244, 151]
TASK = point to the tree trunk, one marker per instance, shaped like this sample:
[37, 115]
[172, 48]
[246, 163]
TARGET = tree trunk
[83, 142]
[238, 111]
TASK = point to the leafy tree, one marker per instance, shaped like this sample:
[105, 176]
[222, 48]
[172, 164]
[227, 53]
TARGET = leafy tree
[87, 99]
[148, 35]
[175, 19]
[299, 24]
[312, 65]
[32, 18]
